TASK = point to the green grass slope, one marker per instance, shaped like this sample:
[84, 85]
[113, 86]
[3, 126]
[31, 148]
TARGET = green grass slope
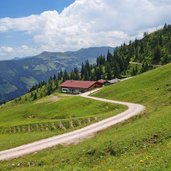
[142, 143]
[27, 122]
[153, 89]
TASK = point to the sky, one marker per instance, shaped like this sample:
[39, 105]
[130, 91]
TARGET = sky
[20, 8]
[30, 27]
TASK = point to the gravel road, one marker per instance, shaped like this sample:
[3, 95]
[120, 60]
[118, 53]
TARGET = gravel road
[78, 135]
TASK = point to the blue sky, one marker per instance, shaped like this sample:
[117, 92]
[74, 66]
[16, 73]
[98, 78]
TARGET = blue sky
[21, 8]
[28, 27]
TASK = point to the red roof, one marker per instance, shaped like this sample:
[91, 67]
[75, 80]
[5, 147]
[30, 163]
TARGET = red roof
[77, 84]
[101, 81]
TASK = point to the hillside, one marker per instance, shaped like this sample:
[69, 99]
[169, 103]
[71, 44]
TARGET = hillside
[136, 57]
[142, 143]
[19, 75]
[49, 116]
[127, 60]
[152, 51]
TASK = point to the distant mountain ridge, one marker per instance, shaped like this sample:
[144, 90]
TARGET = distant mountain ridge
[20, 74]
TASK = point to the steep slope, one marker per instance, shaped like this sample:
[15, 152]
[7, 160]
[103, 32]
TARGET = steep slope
[154, 48]
[17, 76]
[142, 143]
[138, 56]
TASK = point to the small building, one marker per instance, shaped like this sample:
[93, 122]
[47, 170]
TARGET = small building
[102, 83]
[76, 87]
[116, 80]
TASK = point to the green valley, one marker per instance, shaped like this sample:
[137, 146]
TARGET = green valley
[142, 143]
[85, 85]
[17, 76]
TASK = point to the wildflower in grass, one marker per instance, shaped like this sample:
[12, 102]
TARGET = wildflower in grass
[141, 161]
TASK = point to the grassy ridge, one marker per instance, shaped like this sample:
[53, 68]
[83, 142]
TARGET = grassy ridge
[142, 143]
[44, 110]
[153, 89]
[28, 122]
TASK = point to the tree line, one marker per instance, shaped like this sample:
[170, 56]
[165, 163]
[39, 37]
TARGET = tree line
[153, 49]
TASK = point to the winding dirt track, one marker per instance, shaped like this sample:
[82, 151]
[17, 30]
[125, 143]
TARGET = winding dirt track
[78, 135]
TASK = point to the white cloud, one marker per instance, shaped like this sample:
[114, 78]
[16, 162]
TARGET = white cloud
[7, 52]
[90, 23]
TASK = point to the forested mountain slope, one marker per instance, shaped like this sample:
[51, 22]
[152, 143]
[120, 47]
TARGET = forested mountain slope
[154, 50]
[19, 75]
[134, 58]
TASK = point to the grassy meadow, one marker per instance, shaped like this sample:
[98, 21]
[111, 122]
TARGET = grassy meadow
[142, 143]
[27, 122]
